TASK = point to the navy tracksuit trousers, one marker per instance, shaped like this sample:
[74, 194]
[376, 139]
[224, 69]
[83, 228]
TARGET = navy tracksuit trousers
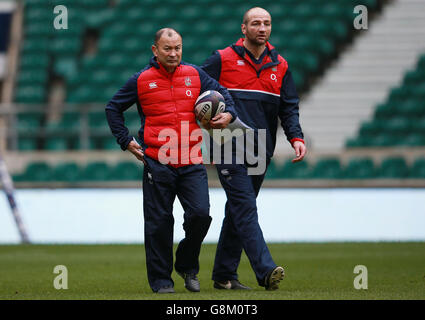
[161, 185]
[240, 229]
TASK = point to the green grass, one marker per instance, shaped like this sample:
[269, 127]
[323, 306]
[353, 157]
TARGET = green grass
[313, 271]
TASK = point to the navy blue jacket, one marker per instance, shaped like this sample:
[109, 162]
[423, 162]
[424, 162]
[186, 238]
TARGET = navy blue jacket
[258, 109]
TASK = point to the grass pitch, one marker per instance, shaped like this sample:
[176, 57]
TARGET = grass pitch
[313, 271]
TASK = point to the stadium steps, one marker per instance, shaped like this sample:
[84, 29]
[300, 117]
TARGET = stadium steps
[363, 76]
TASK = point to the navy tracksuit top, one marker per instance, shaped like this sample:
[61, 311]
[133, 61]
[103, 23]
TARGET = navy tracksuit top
[261, 95]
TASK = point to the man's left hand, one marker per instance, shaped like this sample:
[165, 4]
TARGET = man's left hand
[221, 120]
[300, 151]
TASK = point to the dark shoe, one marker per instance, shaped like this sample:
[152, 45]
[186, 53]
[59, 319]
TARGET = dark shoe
[273, 278]
[166, 290]
[230, 285]
[191, 282]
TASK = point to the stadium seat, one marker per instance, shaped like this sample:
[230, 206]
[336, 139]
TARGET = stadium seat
[417, 170]
[37, 171]
[95, 171]
[400, 121]
[383, 139]
[27, 144]
[397, 125]
[127, 171]
[29, 123]
[68, 172]
[109, 143]
[394, 167]
[66, 67]
[30, 94]
[360, 168]
[56, 144]
[298, 170]
[273, 171]
[329, 168]
[34, 61]
[371, 128]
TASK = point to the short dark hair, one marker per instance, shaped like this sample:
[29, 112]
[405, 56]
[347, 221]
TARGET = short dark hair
[160, 32]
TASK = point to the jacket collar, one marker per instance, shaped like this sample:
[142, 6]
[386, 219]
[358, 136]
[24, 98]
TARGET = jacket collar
[240, 50]
[156, 64]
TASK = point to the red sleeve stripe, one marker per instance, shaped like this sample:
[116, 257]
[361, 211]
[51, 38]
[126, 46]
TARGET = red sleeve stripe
[296, 139]
[259, 91]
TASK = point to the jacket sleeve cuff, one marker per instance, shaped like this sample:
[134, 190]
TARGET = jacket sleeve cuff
[296, 139]
[233, 114]
[125, 143]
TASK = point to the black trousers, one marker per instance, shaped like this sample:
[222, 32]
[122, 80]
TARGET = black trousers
[161, 185]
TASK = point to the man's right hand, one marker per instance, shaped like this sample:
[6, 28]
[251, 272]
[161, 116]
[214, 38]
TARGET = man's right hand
[136, 149]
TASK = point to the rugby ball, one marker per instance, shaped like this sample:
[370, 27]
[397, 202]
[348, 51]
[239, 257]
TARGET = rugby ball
[208, 105]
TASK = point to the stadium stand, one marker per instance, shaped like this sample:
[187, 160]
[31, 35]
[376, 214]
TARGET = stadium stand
[123, 45]
[108, 40]
[400, 121]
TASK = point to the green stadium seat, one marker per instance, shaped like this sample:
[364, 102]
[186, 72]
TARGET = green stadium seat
[61, 45]
[77, 144]
[34, 61]
[37, 29]
[329, 168]
[356, 142]
[27, 144]
[29, 123]
[413, 77]
[417, 170]
[385, 110]
[419, 126]
[421, 63]
[35, 45]
[82, 94]
[371, 128]
[33, 77]
[37, 14]
[98, 19]
[95, 171]
[278, 10]
[56, 144]
[69, 123]
[334, 11]
[399, 95]
[412, 108]
[109, 143]
[37, 171]
[67, 172]
[297, 170]
[360, 168]
[66, 67]
[304, 11]
[127, 171]
[394, 167]
[97, 120]
[382, 140]
[398, 125]
[273, 171]
[30, 94]
[413, 140]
